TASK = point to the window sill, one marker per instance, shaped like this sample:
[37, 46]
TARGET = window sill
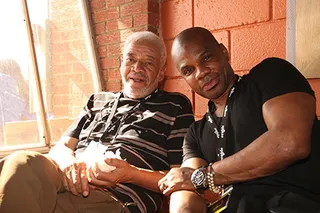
[4, 151]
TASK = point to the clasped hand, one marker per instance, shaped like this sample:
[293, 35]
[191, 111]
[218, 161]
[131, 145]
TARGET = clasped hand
[79, 179]
[176, 179]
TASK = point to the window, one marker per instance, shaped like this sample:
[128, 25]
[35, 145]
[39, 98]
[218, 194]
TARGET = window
[303, 46]
[46, 64]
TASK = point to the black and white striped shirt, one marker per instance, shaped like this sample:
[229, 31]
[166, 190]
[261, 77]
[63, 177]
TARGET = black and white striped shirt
[149, 133]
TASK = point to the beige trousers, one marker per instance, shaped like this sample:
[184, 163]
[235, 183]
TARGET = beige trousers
[30, 183]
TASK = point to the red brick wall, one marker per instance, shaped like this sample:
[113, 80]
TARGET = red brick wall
[251, 30]
[113, 21]
[71, 77]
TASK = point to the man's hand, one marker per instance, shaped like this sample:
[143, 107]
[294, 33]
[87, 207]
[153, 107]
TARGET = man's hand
[121, 174]
[176, 179]
[75, 178]
[74, 175]
[93, 173]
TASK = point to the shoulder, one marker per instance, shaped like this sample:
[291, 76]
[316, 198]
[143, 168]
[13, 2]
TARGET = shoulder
[99, 99]
[275, 67]
[274, 77]
[174, 97]
[197, 130]
[199, 125]
[272, 61]
[104, 95]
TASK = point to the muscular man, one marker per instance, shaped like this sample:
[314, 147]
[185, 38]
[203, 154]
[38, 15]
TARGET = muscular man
[259, 133]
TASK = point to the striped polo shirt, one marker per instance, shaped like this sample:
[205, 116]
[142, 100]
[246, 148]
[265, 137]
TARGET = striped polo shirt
[149, 133]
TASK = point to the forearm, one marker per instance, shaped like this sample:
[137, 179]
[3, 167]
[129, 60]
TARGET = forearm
[194, 163]
[272, 152]
[63, 151]
[146, 178]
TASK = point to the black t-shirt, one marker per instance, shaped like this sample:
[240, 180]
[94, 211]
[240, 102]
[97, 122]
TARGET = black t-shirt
[272, 77]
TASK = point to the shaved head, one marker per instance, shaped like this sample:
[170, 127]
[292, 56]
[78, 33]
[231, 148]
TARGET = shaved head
[195, 33]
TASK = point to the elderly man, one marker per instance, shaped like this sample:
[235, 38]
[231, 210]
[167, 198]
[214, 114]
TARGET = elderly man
[144, 123]
[259, 134]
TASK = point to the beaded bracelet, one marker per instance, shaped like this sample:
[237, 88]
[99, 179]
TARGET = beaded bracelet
[210, 181]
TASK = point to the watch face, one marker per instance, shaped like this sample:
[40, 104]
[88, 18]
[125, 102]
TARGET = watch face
[198, 177]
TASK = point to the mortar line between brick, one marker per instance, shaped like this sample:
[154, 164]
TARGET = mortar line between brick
[271, 10]
[192, 12]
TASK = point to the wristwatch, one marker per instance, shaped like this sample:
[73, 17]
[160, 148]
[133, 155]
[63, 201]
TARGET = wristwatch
[199, 179]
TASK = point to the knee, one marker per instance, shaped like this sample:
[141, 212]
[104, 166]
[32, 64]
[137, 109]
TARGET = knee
[30, 162]
[22, 157]
[187, 202]
[25, 160]
[185, 209]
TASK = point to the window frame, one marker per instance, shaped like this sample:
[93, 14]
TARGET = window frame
[45, 136]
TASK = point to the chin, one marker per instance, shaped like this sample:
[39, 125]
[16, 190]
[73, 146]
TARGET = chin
[136, 92]
[207, 94]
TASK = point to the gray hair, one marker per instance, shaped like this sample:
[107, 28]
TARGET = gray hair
[148, 37]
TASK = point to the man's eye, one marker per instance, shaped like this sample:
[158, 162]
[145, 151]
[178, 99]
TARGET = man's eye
[129, 60]
[207, 58]
[187, 71]
[148, 63]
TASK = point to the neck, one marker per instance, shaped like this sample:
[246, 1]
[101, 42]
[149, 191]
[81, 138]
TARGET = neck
[132, 95]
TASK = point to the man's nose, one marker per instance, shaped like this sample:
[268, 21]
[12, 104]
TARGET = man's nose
[138, 66]
[201, 72]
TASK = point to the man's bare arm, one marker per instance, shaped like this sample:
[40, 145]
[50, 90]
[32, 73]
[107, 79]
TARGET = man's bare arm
[139, 175]
[194, 163]
[126, 173]
[289, 119]
[63, 151]
[74, 171]
[147, 178]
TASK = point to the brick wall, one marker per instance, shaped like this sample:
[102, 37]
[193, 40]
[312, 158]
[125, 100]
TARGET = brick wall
[251, 30]
[113, 21]
[71, 77]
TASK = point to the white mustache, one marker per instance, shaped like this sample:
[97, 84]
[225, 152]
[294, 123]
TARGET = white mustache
[137, 75]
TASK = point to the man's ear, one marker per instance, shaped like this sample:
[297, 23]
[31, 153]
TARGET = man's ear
[224, 51]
